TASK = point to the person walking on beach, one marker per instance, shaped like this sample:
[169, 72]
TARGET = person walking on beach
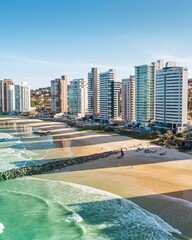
[122, 153]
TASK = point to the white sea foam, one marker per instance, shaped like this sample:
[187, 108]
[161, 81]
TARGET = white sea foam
[1, 228]
[13, 153]
[74, 217]
[178, 200]
[83, 188]
[5, 135]
[117, 214]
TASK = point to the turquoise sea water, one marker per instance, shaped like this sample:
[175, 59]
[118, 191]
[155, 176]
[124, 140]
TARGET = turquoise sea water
[15, 149]
[19, 147]
[39, 209]
[33, 209]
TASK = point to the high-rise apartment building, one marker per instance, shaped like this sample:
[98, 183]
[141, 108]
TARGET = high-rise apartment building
[10, 98]
[116, 100]
[78, 96]
[63, 94]
[25, 97]
[14, 97]
[93, 92]
[145, 79]
[171, 95]
[190, 97]
[107, 94]
[4, 93]
[128, 99]
[59, 92]
[17, 98]
[0, 95]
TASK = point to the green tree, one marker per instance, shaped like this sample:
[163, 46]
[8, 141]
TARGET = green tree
[169, 133]
[155, 134]
[180, 135]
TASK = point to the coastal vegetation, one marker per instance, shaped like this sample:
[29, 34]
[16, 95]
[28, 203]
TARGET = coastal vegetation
[139, 134]
[180, 141]
[99, 128]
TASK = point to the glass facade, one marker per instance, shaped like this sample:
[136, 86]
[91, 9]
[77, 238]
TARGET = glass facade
[145, 92]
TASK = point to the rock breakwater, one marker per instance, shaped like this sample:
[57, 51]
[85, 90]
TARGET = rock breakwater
[50, 166]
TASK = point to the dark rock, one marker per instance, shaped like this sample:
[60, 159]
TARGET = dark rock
[29, 171]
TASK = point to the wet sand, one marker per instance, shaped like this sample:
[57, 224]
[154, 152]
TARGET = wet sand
[158, 183]
[162, 188]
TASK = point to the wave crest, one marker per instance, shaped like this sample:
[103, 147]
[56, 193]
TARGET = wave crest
[1, 228]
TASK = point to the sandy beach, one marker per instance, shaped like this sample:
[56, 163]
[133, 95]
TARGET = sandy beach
[162, 187]
[161, 184]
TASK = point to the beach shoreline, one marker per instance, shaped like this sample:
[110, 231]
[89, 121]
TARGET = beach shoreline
[155, 192]
[161, 184]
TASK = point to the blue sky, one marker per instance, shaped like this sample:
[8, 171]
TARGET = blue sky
[41, 40]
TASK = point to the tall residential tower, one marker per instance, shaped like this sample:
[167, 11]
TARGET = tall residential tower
[11, 98]
[25, 97]
[78, 96]
[107, 94]
[93, 92]
[128, 99]
[4, 94]
[171, 95]
[116, 93]
[59, 92]
[17, 98]
[145, 79]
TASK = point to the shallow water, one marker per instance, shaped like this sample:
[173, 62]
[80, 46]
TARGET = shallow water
[14, 153]
[19, 147]
[38, 209]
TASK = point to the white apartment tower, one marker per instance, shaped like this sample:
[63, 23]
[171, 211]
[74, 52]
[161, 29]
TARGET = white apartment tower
[25, 97]
[10, 98]
[93, 92]
[128, 99]
[116, 100]
[106, 94]
[171, 95]
[78, 96]
[145, 79]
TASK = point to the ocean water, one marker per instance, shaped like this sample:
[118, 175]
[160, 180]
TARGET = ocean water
[14, 154]
[19, 147]
[40, 209]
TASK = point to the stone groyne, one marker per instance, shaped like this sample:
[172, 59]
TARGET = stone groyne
[50, 166]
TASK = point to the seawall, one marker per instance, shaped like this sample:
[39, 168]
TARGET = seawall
[53, 165]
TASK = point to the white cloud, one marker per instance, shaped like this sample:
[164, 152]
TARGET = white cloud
[40, 71]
